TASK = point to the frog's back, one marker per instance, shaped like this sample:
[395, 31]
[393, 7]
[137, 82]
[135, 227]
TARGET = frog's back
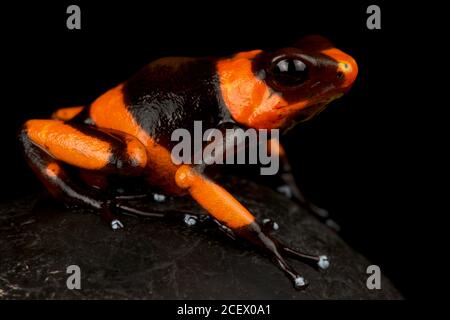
[167, 94]
[172, 93]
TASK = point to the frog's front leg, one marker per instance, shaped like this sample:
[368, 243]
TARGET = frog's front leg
[48, 144]
[290, 188]
[224, 208]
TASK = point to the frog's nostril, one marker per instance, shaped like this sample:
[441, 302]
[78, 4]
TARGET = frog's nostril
[347, 71]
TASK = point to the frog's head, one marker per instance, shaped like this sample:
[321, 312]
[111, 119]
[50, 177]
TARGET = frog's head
[278, 89]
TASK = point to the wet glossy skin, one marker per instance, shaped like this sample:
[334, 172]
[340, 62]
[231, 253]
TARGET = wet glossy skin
[126, 131]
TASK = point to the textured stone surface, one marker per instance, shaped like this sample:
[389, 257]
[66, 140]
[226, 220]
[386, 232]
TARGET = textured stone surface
[158, 259]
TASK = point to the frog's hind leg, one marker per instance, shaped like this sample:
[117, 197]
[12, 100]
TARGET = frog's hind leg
[49, 144]
[290, 188]
[276, 250]
[57, 181]
[66, 114]
[235, 220]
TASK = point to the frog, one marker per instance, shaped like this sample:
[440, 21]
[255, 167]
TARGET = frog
[125, 135]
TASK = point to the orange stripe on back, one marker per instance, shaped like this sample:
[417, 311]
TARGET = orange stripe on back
[246, 96]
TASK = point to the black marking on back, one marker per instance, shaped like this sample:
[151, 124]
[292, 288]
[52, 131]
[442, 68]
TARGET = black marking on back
[172, 93]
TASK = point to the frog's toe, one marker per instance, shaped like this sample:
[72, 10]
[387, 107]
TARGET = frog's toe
[333, 225]
[300, 283]
[318, 261]
[270, 224]
[286, 190]
[320, 212]
[159, 197]
[190, 220]
[116, 224]
[323, 262]
[324, 216]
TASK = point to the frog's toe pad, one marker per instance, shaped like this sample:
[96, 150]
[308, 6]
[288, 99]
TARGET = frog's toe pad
[300, 283]
[159, 197]
[116, 224]
[333, 225]
[271, 224]
[323, 262]
[285, 190]
[190, 220]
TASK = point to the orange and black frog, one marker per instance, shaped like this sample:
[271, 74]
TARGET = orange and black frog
[126, 133]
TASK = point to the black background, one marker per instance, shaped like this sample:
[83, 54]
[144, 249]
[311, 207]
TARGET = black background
[353, 159]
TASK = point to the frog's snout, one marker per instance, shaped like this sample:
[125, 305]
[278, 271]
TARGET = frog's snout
[347, 68]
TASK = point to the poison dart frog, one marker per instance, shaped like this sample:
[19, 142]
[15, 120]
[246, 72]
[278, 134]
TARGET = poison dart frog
[126, 132]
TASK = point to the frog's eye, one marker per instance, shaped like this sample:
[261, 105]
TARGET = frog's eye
[289, 72]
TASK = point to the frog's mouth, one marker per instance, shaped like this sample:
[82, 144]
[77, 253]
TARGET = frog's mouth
[318, 107]
[310, 111]
[304, 115]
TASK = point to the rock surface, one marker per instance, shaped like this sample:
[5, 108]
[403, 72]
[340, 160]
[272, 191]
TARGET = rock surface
[161, 259]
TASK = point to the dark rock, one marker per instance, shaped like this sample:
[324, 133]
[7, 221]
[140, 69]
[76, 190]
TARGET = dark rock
[159, 259]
